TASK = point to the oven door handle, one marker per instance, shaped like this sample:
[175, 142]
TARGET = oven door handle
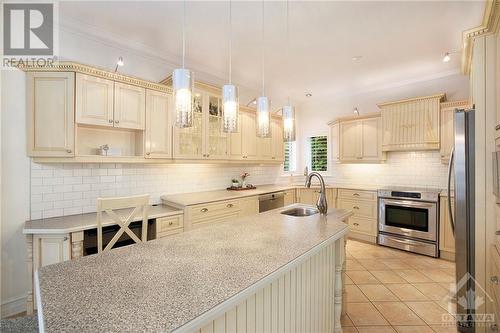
[450, 211]
[408, 204]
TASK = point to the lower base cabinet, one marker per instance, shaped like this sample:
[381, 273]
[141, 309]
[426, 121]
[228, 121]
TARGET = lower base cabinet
[290, 197]
[248, 206]
[309, 196]
[170, 225]
[363, 204]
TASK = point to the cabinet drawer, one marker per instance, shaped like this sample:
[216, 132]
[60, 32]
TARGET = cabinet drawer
[215, 219]
[355, 194]
[209, 210]
[360, 208]
[367, 226]
[168, 223]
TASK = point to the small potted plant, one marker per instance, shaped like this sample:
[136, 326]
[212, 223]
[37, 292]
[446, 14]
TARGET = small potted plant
[235, 182]
[244, 176]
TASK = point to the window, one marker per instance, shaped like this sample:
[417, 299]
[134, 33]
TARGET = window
[319, 153]
[290, 164]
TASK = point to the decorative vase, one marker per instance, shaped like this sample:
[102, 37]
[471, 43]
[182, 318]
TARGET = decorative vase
[244, 183]
[235, 184]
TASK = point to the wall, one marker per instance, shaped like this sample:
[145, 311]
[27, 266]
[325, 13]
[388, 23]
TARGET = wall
[65, 189]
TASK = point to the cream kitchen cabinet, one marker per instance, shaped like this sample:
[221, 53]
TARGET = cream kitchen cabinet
[244, 142]
[129, 106]
[50, 249]
[248, 206]
[104, 102]
[411, 124]
[446, 237]
[94, 100]
[50, 116]
[205, 139]
[290, 197]
[278, 148]
[448, 126]
[360, 139]
[334, 140]
[158, 134]
[310, 196]
[363, 223]
[169, 225]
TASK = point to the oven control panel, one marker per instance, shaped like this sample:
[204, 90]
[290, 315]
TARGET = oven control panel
[410, 195]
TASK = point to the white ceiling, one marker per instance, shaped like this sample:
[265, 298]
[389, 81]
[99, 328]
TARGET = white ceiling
[399, 42]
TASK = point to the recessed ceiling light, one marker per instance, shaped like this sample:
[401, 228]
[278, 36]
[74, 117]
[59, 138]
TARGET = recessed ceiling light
[356, 58]
[446, 57]
[309, 94]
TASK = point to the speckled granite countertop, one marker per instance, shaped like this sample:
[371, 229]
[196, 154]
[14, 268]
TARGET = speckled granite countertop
[73, 223]
[164, 284]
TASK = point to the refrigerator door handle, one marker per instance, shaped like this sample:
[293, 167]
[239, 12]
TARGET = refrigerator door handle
[450, 211]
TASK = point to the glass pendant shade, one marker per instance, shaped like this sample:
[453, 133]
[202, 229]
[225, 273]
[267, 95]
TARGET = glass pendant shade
[182, 86]
[288, 123]
[230, 108]
[263, 118]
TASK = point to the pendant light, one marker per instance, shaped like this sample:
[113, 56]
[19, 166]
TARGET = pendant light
[263, 107]
[182, 86]
[230, 102]
[288, 110]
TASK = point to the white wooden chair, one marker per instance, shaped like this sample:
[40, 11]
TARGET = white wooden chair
[108, 205]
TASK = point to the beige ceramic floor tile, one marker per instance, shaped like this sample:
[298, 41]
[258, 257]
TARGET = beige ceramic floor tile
[362, 277]
[433, 291]
[348, 279]
[407, 292]
[353, 265]
[397, 313]
[430, 312]
[375, 265]
[353, 294]
[345, 321]
[349, 330]
[388, 277]
[412, 276]
[450, 286]
[376, 329]
[448, 305]
[377, 292]
[396, 263]
[438, 275]
[414, 329]
[364, 314]
[444, 329]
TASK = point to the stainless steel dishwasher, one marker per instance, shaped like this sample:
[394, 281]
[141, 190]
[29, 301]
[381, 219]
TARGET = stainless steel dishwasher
[271, 201]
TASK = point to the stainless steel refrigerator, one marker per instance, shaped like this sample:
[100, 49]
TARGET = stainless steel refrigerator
[461, 166]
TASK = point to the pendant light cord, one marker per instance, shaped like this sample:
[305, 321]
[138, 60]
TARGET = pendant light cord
[263, 53]
[183, 33]
[230, 40]
[287, 47]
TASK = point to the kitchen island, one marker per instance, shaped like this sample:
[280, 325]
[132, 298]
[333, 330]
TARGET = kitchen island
[266, 271]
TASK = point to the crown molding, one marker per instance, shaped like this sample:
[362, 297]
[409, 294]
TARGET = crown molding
[66, 66]
[455, 104]
[415, 99]
[490, 25]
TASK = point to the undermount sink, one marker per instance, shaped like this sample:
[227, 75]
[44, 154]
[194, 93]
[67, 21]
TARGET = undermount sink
[300, 211]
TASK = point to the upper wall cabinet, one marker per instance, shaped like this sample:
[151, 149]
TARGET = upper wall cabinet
[94, 100]
[205, 139]
[278, 149]
[357, 139]
[243, 144]
[411, 124]
[448, 127]
[158, 135]
[50, 101]
[104, 102]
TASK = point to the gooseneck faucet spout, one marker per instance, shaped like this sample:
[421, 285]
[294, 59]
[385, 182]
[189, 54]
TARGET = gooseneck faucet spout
[322, 203]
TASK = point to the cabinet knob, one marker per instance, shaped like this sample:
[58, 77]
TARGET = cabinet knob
[494, 327]
[494, 279]
[148, 153]
[110, 121]
[170, 223]
[229, 205]
[356, 224]
[355, 207]
[65, 238]
[355, 194]
[274, 158]
[117, 121]
[204, 210]
[497, 232]
[69, 151]
[208, 155]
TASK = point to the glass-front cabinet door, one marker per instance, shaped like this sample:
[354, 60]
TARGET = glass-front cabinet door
[206, 139]
[188, 142]
[217, 140]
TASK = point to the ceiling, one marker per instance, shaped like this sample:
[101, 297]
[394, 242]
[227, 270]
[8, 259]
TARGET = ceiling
[399, 42]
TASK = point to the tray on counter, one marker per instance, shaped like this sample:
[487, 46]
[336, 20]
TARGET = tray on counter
[248, 187]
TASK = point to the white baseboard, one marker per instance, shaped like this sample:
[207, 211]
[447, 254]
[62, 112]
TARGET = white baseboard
[362, 237]
[13, 306]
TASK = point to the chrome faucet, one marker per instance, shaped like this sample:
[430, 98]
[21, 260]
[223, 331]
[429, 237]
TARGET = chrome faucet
[322, 204]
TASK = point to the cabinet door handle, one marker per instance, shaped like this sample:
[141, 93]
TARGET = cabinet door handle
[497, 233]
[494, 279]
[65, 238]
[110, 121]
[69, 151]
[355, 207]
[497, 127]
[356, 224]
[148, 153]
[229, 205]
[208, 155]
[355, 194]
[494, 327]
[171, 222]
[117, 121]
[204, 210]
